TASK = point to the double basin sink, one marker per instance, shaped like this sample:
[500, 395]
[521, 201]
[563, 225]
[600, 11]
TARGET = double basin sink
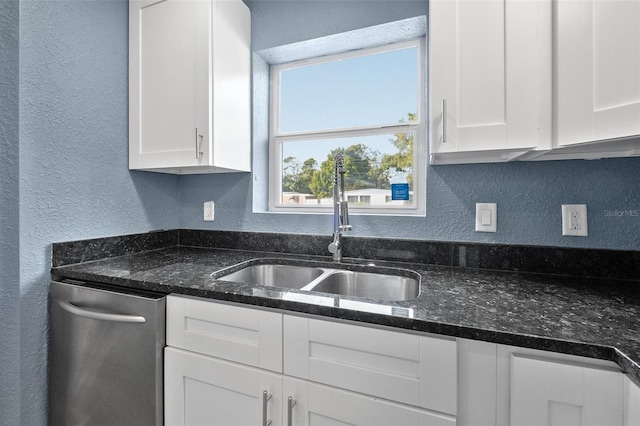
[367, 282]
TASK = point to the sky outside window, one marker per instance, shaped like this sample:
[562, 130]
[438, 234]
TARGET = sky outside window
[374, 89]
[359, 91]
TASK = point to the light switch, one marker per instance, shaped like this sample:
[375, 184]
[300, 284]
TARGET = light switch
[486, 217]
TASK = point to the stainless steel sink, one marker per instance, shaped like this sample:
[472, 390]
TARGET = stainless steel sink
[368, 285]
[387, 285]
[287, 276]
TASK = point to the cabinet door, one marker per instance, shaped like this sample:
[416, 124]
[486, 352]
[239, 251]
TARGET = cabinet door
[167, 75]
[317, 405]
[230, 105]
[201, 390]
[477, 383]
[490, 78]
[244, 335]
[554, 393]
[631, 403]
[597, 70]
[411, 369]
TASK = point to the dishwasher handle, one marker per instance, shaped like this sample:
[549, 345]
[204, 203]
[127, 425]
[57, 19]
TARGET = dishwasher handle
[72, 309]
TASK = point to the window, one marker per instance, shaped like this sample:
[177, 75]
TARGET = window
[366, 104]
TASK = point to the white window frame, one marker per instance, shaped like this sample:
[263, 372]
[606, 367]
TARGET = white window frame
[418, 128]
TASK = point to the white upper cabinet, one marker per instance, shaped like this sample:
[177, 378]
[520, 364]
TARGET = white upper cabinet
[597, 70]
[597, 79]
[189, 86]
[534, 80]
[490, 65]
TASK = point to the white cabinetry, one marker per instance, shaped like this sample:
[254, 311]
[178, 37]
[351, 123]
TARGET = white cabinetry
[490, 70]
[202, 390]
[407, 368]
[189, 86]
[234, 365]
[334, 373]
[554, 389]
[316, 405]
[631, 403]
[534, 80]
[477, 383]
[247, 336]
[547, 392]
[597, 71]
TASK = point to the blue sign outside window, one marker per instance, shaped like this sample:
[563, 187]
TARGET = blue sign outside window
[400, 191]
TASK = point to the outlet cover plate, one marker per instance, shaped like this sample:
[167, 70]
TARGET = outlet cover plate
[209, 211]
[574, 220]
[486, 217]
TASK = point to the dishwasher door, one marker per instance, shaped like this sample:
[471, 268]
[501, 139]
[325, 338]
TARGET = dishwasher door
[105, 356]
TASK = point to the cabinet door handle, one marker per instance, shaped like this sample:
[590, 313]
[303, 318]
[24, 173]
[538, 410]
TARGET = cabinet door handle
[199, 145]
[444, 121]
[290, 403]
[266, 396]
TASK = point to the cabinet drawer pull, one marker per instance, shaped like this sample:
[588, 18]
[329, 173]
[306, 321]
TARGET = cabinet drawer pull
[199, 139]
[444, 121]
[290, 403]
[265, 398]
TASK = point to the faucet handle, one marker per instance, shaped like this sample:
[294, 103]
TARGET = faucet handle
[333, 247]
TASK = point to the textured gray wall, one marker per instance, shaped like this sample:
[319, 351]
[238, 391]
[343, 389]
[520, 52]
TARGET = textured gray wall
[73, 170]
[529, 195]
[9, 214]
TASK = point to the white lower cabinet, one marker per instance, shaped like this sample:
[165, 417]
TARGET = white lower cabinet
[631, 403]
[477, 383]
[541, 388]
[236, 365]
[241, 334]
[335, 373]
[555, 393]
[202, 390]
[318, 405]
[407, 368]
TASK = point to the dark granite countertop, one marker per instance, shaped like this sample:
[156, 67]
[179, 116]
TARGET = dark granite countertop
[597, 318]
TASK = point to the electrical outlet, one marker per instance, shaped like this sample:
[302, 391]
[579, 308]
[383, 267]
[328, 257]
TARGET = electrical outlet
[574, 220]
[208, 211]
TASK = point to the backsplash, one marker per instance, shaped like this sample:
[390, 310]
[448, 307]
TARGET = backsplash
[593, 263]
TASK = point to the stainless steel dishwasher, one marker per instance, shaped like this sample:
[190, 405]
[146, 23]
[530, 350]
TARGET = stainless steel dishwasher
[105, 355]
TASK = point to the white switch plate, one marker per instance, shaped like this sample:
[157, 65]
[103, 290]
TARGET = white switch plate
[486, 217]
[209, 211]
[574, 220]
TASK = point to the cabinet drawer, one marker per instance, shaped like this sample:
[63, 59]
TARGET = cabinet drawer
[247, 336]
[407, 368]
